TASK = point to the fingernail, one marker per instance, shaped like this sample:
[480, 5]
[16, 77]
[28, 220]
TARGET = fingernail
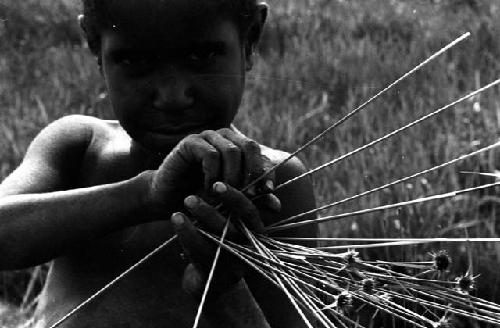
[191, 201]
[275, 204]
[219, 187]
[270, 185]
[252, 191]
[177, 218]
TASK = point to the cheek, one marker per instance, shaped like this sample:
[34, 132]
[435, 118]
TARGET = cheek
[226, 90]
[128, 98]
[230, 81]
[224, 96]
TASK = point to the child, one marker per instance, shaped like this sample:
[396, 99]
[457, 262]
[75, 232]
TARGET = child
[95, 196]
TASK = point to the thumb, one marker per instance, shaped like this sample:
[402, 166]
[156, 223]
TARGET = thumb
[193, 281]
[198, 249]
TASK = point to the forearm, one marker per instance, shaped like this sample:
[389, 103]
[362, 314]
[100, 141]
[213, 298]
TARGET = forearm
[35, 228]
[237, 308]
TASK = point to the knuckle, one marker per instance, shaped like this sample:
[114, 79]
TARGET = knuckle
[212, 154]
[201, 210]
[232, 150]
[190, 140]
[208, 133]
[251, 146]
[204, 210]
[225, 131]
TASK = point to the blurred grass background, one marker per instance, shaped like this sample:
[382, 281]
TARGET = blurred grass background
[318, 60]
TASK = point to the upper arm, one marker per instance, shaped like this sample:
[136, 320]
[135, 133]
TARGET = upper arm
[52, 158]
[297, 197]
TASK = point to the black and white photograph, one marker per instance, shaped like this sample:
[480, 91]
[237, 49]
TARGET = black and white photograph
[249, 163]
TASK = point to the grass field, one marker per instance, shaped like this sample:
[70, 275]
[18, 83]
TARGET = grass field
[318, 60]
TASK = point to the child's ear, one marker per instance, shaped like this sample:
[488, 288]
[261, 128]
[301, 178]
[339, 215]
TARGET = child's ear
[253, 33]
[81, 22]
[91, 40]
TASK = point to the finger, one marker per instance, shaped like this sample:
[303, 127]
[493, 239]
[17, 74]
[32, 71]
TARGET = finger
[253, 166]
[267, 184]
[198, 249]
[269, 202]
[208, 217]
[239, 205]
[199, 150]
[269, 206]
[231, 157]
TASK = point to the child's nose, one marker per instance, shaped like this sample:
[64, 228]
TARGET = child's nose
[173, 92]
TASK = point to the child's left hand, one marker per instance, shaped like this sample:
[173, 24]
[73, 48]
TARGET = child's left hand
[200, 250]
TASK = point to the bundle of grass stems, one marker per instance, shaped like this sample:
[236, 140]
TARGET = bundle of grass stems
[329, 285]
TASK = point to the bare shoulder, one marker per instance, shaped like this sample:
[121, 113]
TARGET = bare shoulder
[292, 168]
[68, 135]
[296, 197]
[54, 155]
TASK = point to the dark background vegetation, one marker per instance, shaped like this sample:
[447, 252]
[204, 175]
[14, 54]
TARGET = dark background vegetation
[318, 60]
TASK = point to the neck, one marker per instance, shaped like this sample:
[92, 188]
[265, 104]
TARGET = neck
[150, 159]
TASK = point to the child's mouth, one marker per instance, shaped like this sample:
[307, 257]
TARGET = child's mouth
[176, 129]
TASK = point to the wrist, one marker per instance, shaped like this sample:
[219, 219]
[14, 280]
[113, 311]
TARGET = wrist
[151, 206]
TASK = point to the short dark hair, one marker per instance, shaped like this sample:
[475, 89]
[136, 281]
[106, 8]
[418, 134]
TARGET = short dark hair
[97, 17]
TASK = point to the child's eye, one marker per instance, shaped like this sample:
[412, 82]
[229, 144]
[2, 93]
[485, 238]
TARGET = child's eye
[133, 61]
[134, 64]
[202, 57]
[130, 57]
[204, 54]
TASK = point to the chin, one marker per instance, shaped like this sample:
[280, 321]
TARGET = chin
[160, 142]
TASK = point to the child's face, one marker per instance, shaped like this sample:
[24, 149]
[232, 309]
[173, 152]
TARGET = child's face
[172, 68]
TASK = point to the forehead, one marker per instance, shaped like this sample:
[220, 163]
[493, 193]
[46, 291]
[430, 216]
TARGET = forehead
[158, 18]
[223, 33]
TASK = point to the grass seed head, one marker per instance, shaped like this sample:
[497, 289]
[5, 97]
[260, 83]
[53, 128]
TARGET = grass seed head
[368, 285]
[444, 322]
[351, 257]
[344, 300]
[465, 283]
[442, 260]
[384, 297]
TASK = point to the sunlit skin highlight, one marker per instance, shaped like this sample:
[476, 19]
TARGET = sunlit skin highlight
[94, 196]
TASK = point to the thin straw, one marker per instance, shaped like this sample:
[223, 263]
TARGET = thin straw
[281, 280]
[389, 135]
[430, 240]
[402, 180]
[359, 108]
[404, 313]
[210, 275]
[436, 305]
[380, 208]
[390, 244]
[114, 281]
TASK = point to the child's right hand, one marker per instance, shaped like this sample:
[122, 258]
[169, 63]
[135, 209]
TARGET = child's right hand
[199, 160]
[200, 251]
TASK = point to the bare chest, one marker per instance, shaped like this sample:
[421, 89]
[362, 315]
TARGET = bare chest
[150, 293]
[113, 160]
